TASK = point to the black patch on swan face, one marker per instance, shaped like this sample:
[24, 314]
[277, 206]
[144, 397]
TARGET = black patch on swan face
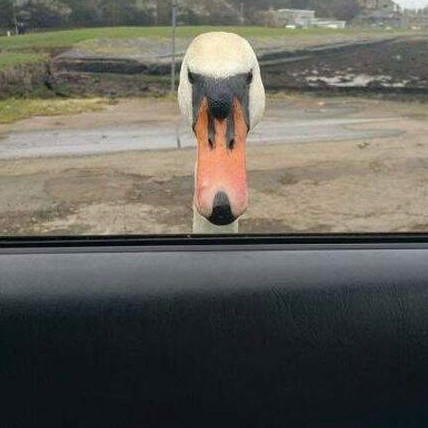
[220, 94]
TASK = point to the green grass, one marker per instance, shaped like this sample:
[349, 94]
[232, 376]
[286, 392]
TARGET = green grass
[63, 39]
[35, 47]
[15, 109]
[11, 59]
[25, 48]
[30, 47]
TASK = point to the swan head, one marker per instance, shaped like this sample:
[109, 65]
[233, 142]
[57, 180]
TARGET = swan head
[222, 96]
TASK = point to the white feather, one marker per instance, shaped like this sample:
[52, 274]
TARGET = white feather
[219, 55]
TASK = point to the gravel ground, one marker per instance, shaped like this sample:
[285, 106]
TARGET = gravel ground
[353, 185]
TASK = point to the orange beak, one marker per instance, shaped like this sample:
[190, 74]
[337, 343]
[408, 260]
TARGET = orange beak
[221, 193]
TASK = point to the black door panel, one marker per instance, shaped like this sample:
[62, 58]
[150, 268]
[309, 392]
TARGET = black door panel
[296, 335]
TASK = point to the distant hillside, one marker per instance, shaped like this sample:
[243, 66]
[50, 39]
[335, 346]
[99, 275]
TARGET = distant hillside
[72, 13]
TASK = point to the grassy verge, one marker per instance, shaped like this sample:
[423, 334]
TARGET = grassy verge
[11, 59]
[55, 39]
[16, 109]
[20, 49]
[63, 39]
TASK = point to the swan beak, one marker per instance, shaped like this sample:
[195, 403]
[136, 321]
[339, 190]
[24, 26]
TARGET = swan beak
[221, 193]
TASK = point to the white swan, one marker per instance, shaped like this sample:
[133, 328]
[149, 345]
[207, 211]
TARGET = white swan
[222, 95]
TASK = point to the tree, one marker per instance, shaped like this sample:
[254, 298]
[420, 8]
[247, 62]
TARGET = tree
[340, 9]
[6, 14]
[252, 7]
[124, 12]
[84, 12]
[43, 13]
[211, 12]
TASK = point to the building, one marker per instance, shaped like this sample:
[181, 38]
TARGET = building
[416, 19]
[380, 14]
[329, 23]
[299, 18]
[287, 17]
[296, 18]
[385, 5]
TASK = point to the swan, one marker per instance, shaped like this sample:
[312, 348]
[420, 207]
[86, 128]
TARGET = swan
[221, 94]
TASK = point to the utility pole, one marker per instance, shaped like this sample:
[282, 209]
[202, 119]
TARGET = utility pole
[174, 28]
[241, 13]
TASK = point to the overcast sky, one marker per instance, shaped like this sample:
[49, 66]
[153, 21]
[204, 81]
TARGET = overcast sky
[412, 4]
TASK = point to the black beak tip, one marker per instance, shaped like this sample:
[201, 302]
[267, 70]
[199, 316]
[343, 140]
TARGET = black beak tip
[222, 213]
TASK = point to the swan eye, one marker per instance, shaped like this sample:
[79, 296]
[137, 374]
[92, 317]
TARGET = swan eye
[250, 77]
[191, 77]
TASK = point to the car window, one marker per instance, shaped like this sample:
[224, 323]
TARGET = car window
[158, 117]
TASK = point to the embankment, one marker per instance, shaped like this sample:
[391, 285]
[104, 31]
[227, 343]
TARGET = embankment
[384, 63]
[24, 79]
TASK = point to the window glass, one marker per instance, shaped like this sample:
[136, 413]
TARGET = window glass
[93, 141]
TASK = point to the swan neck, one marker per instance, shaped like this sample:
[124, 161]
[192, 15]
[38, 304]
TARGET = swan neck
[202, 226]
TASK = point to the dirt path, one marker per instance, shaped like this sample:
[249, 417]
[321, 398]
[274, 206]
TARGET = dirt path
[284, 123]
[368, 184]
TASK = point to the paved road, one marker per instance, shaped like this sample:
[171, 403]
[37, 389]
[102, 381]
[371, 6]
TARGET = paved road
[143, 136]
